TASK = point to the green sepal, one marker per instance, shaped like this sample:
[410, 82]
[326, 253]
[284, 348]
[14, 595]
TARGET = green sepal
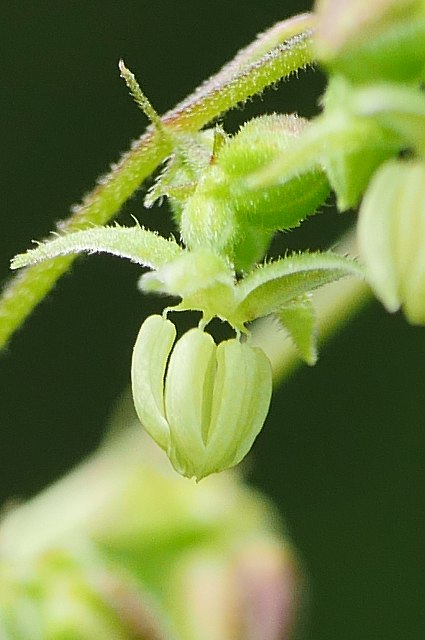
[333, 140]
[134, 243]
[298, 318]
[399, 108]
[188, 397]
[350, 168]
[183, 169]
[271, 286]
[240, 403]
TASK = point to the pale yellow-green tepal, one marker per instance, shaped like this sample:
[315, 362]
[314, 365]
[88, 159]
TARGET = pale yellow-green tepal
[205, 403]
[391, 236]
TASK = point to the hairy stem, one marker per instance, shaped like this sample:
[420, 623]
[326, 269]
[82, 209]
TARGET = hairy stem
[249, 74]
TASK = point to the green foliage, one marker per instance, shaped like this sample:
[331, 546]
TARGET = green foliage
[276, 54]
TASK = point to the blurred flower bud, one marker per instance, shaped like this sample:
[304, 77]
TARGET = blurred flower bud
[207, 407]
[368, 40]
[124, 548]
[249, 592]
[76, 595]
[391, 233]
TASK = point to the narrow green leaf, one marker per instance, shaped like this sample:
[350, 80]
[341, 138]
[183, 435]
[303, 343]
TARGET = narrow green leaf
[140, 99]
[299, 320]
[273, 285]
[134, 243]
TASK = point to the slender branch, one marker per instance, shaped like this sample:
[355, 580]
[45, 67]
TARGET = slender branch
[252, 72]
[263, 44]
[280, 62]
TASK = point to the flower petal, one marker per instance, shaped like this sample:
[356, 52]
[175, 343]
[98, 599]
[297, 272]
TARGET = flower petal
[188, 397]
[150, 354]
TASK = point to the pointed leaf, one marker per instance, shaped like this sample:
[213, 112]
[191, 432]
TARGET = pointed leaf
[273, 285]
[299, 320]
[134, 243]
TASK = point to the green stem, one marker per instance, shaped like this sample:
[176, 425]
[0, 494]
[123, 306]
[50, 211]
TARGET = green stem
[234, 84]
[264, 43]
[280, 62]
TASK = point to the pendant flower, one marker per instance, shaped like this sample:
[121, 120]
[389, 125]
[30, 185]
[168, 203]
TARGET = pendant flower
[391, 235]
[207, 405]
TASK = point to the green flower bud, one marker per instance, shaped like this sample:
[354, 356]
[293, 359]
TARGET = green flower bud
[368, 40]
[226, 217]
[391, 235]
[207, 407]
[279, 206]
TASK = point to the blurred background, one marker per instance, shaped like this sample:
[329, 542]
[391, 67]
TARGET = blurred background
[342, 451]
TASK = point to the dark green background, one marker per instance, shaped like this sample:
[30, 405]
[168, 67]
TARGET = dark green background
[342, 452]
